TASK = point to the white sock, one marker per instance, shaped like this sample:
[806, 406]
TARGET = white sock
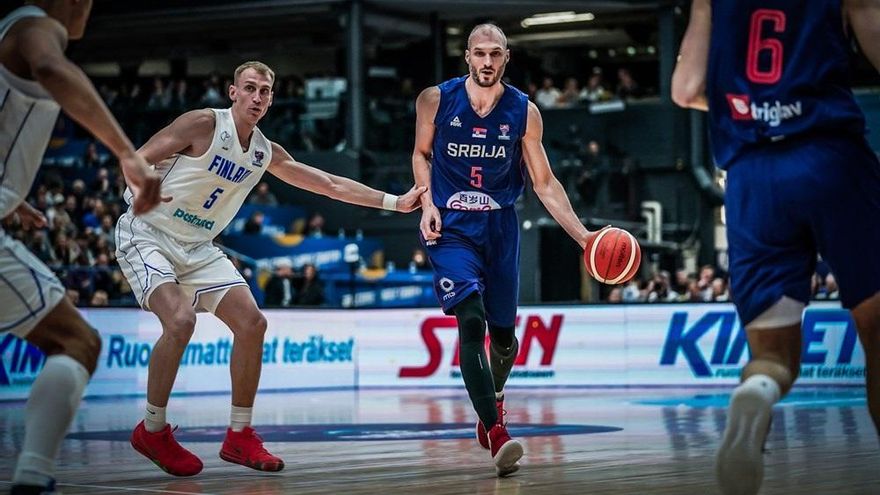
[154, 418]
[240, 417]
[55, 396]
[499, 395]
[763, 384]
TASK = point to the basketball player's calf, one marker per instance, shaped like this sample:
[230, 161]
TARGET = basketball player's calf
[503, 349]
[471, 318]
[72, 348]
[238, 310]
[153, 437]
[775, 345]
[867, 318]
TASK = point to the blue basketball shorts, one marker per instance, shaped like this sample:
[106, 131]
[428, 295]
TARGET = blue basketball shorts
[790, 200]
[478, 251]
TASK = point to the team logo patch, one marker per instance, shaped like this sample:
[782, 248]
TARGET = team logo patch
[456, 122]
[740, 106]
[224, 138]
[258, 158]
[504, 129]
[479, 132]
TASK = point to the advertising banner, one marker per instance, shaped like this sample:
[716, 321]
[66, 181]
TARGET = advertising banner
[609, 345]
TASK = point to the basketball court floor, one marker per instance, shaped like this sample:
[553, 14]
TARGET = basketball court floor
[577, 441]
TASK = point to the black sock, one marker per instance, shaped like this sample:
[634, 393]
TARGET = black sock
[475, 369]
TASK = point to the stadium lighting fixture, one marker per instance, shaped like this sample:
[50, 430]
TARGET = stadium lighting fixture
[556, 18]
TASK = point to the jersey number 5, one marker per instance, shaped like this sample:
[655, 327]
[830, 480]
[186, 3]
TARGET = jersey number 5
[213, 198]
[477, 177]
[771, 46]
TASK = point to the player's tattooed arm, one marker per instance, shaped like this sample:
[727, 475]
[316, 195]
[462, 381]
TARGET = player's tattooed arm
[426, 109]
[546, 185]
[689, 78]
[863, 17]
[336, 187]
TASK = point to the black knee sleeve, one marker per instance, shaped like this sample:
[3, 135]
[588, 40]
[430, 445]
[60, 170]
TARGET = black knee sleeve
[475, 368]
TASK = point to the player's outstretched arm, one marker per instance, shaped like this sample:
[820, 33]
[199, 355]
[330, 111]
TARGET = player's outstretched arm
[344, 189]
[547, 187]
[864, 18]
[689, 78]
[41, 42]
[426, 109]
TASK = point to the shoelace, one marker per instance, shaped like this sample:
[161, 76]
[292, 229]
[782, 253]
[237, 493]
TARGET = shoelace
[262, 449]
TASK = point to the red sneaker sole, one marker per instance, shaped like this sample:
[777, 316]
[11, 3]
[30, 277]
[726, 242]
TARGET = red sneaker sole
[270, 467]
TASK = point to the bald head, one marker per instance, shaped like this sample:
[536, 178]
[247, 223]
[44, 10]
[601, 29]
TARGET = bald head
[487, 32]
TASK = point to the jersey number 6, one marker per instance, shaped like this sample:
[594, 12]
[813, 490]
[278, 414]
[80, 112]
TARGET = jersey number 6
[771, 46]
[213, 198]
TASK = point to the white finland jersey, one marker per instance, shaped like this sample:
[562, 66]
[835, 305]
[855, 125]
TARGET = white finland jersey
[209, 190]
[27, 117]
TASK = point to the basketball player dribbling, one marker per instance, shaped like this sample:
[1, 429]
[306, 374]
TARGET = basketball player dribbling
[801, 179]
[36, 81]
[476, 137]
[210, 159]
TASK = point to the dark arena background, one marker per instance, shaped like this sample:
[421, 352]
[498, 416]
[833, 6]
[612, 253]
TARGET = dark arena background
[615, 390]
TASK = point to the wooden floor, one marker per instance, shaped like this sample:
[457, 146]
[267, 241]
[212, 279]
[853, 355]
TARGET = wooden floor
[420, 442]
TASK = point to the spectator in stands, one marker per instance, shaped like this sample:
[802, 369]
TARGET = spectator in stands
[615, 296]
[92, 218]
[279, 289]
[707, 274]
[595, 90]
[312, 291]
[160, 97]
[682, 281]
[180, 95]
[91, 158]
[631, 291]
[659, 290]
[99, 298]
[571, 94]
[548, 95]
[212, 97]
[107, 230]
[103, 184]
[316, 225]
[262, 196]
[254, 224]
[627, 87]
[719, 290]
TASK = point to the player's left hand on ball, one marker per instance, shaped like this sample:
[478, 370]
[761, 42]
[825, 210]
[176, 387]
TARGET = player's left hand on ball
[30, 217]
[411, 200]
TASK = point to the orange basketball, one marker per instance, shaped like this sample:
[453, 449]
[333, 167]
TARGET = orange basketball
[612, 256]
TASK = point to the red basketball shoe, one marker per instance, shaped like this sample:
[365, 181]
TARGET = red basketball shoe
[161, 448]
[505, 451]
[482, 436]
[245, 447]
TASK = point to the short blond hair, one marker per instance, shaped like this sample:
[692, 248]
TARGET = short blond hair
[260, 67]
[487, 29]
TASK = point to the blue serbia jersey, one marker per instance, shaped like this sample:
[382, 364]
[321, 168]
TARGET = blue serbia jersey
[477, 163]
[777, 68]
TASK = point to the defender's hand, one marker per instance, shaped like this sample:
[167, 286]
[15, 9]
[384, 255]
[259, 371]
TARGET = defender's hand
[144, 183]
[411, 200]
